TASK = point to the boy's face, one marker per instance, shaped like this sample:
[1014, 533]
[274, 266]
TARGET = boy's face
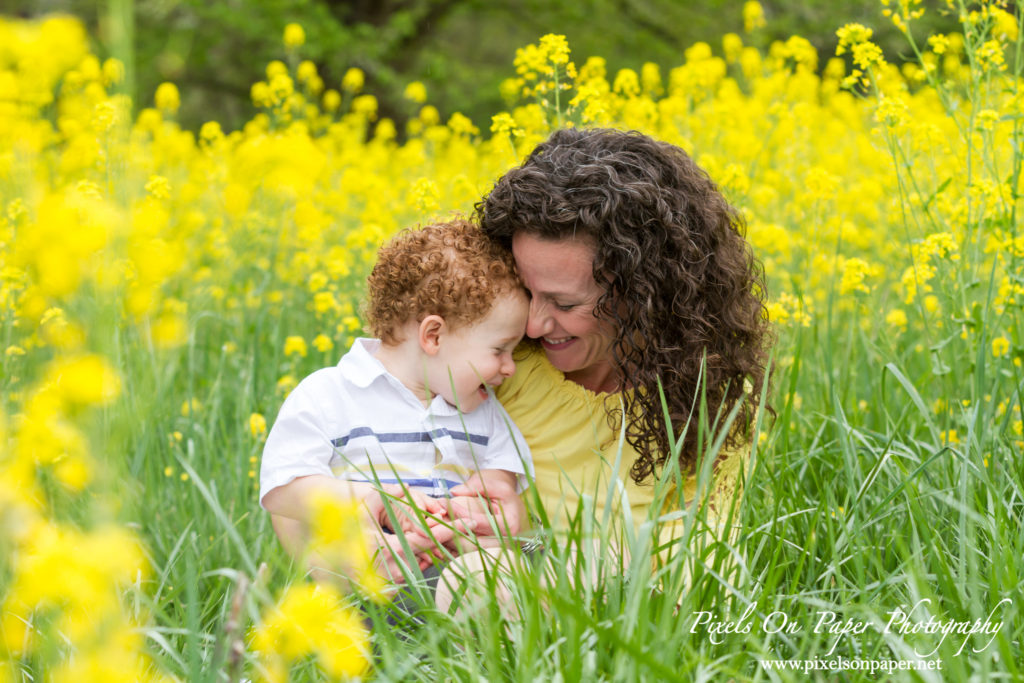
[479, 354]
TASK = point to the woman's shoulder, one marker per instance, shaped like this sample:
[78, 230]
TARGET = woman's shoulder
[538, 381]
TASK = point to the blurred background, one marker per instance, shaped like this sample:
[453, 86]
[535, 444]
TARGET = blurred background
[460, 50]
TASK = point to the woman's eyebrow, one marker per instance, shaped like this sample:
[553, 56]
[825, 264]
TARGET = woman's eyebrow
[554, 293]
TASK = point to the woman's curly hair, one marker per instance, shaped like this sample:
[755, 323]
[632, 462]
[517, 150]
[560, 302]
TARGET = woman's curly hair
[450, 269]
[683, 289]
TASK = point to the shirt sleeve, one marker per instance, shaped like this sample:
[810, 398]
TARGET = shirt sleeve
[298, 444]
[506, 447]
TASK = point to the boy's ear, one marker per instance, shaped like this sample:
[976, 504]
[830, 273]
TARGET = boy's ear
[429, 334]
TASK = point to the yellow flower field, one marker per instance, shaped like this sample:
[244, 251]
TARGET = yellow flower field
[161, 290]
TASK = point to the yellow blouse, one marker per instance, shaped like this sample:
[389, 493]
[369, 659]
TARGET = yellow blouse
[575, 449]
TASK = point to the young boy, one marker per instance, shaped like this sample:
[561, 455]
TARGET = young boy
[404, 419]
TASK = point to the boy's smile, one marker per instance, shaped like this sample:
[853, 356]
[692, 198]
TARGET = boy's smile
[471, 358]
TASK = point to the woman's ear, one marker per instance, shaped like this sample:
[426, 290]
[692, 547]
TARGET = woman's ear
[429, 334]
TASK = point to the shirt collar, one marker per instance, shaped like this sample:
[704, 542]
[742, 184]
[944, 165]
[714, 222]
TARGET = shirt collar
[360, 365]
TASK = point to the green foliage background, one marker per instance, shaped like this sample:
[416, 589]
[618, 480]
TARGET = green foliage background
[461, 49]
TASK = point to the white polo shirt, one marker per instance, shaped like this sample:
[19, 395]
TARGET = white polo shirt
[356, 421]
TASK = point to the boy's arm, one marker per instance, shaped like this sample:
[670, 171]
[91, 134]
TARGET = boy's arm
[296, 470]
[297, 458]
[290, 512]
[386, 551]
[292, 499]
[293, 537]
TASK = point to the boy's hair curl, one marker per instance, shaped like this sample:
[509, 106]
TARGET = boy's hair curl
[683, 289]
[450, 269]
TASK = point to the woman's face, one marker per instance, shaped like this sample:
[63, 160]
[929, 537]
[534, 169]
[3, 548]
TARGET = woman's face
[558, 274]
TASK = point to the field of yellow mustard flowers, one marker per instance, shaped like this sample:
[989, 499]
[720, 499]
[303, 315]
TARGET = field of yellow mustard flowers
[161, 291]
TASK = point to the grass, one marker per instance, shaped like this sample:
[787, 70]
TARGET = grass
[855, 513]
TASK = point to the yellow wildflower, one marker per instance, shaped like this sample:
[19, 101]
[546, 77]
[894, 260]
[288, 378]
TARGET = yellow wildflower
[158, 187]
[556, 47]
[210, 132]
[416, 91]
[286, 383]
[113, 71]
[295, 344]
[353, 80]
[504, 124]
[294, 36]
[850, 35]
[332, 100]
[462, 125]
[167, 98]
[938, 43]
[257, 425]
[896, 318]
[753, 16]
[627, 83]
[85, 380]
[311, 620]
[169, 331]
[1000, 346]
[855, 271]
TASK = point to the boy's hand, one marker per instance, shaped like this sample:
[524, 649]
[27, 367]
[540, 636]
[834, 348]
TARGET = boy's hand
[486, 489]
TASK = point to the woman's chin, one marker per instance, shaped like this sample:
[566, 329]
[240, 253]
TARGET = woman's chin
[563, 361]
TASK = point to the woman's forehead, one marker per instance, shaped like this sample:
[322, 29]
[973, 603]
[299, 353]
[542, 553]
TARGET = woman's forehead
[554, 266]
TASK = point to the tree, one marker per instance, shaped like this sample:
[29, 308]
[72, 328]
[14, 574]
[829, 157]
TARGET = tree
[460, 49]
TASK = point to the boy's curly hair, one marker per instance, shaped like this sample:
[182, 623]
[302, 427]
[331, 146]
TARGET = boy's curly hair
[450, 269]
[683, 290]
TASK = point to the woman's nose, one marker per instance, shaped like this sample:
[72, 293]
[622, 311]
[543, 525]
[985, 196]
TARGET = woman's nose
[539, 322]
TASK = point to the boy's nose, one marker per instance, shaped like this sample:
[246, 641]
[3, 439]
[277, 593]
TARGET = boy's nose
[508, 366]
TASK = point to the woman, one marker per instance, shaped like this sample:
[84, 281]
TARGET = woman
[646, 301]
[639, 274]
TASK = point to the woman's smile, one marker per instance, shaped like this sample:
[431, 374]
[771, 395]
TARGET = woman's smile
[556, 344]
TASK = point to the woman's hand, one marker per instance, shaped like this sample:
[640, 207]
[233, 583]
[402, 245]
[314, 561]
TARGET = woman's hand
[389, 552]
[494, 490]
[432, 531]
[396, 508]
